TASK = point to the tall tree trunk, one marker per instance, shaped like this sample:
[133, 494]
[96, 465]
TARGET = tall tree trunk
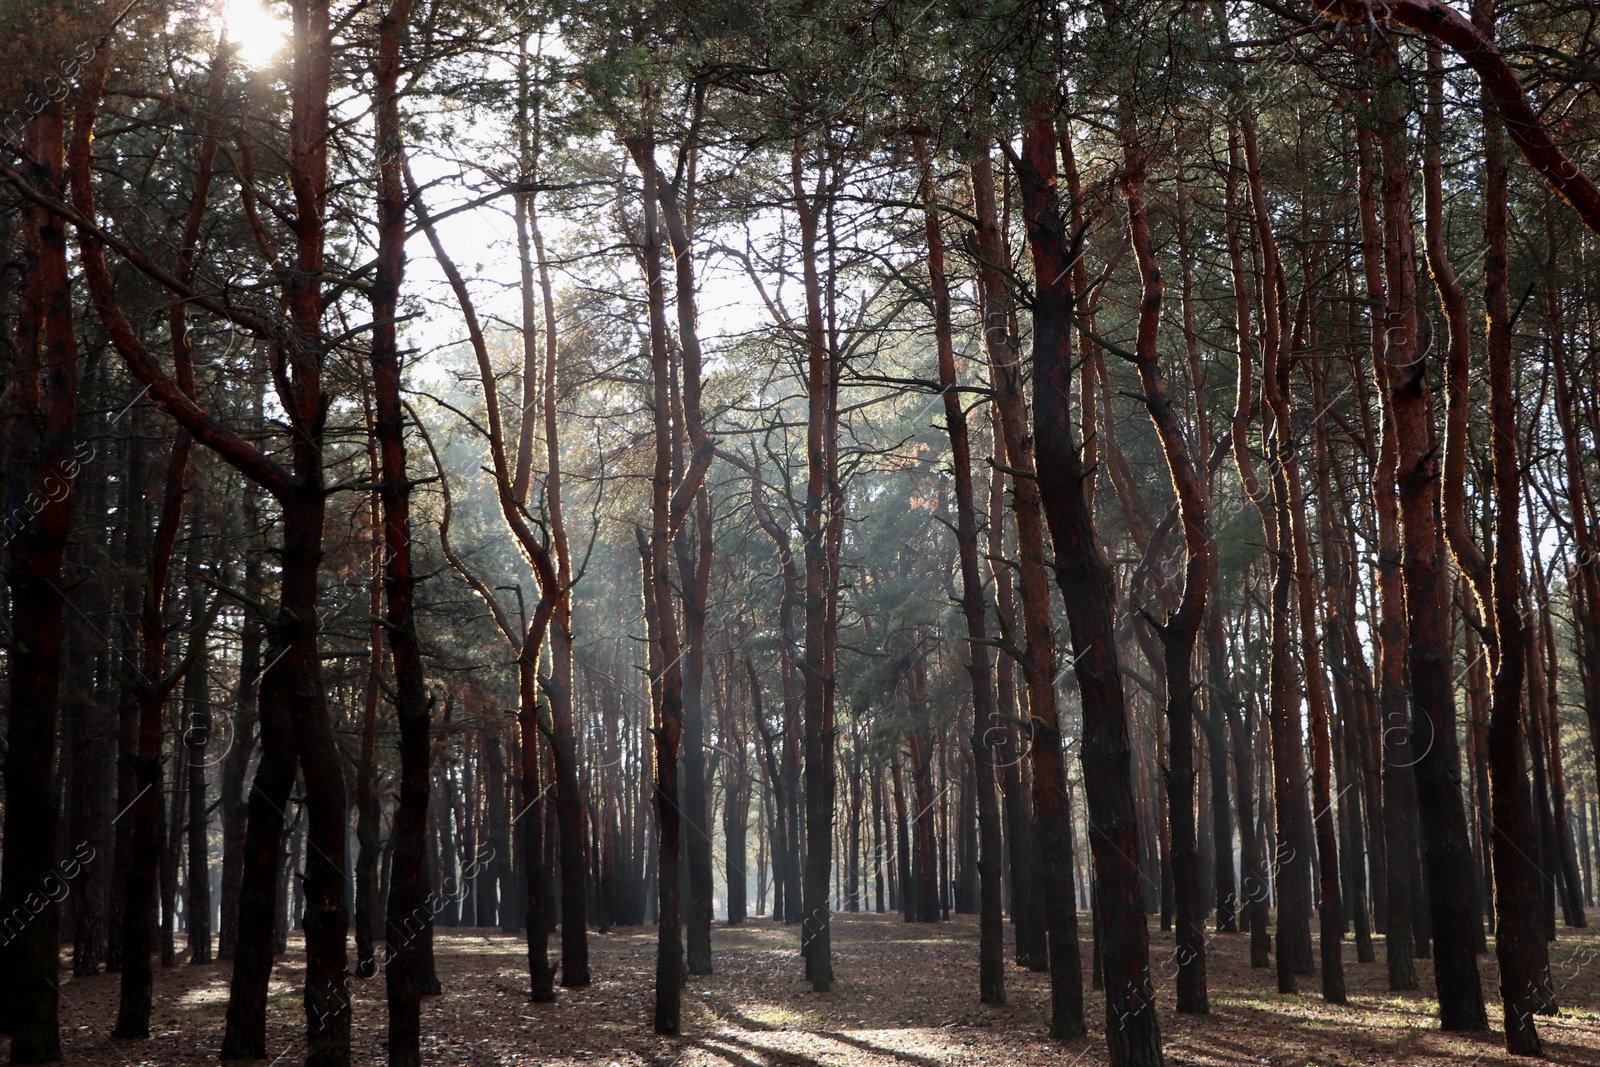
[1052, 805]
[1525, 987]
[1181, 629]
[1399, 837]
[152, 687]
[39, 490]
[134, 534]
[1585, 574]
[196, 734]
[987, 726]
[1319, 705]
[563, 743]
[1218, 685]
[1084, 575]
[1275, 504]
[409, 908]
[1340, 639]
[1407, 398]
[816, 935]
[89, 737]
[666, 674]
[1258, 881]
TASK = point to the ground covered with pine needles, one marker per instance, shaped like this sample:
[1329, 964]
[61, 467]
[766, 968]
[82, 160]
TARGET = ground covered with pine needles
[906, 994]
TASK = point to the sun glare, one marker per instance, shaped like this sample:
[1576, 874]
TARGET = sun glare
[259, 32]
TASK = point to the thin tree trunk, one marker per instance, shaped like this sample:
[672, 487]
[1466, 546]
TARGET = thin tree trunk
[197, 734]
[1027, 917]
[235, 766]
[816, 935]
[1400, 845]
[1182, 627]
[408, 913]
[563, 744]
[368, 817]
[987, 726]
[666, 675]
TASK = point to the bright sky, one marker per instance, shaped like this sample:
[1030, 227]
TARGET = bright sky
[259, 31]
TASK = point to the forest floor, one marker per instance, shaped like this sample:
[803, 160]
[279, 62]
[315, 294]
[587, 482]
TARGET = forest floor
[904, 995]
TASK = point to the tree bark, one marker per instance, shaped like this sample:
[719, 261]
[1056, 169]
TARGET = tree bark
[1181, 629]
[42, 466]
[987, 726]
[1052, 805]
[1084, 575]
[1424, 567]
[1399, 836]
[408, 910]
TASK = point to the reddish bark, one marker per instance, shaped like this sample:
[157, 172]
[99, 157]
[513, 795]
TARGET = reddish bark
[1181, 629]
[1274, 503]
[1424, 566]
[1052, 804]
[1399, 836]
[1504, 95]
[986, 722]
[407, 920]
[1525, 987]
[41, 468]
